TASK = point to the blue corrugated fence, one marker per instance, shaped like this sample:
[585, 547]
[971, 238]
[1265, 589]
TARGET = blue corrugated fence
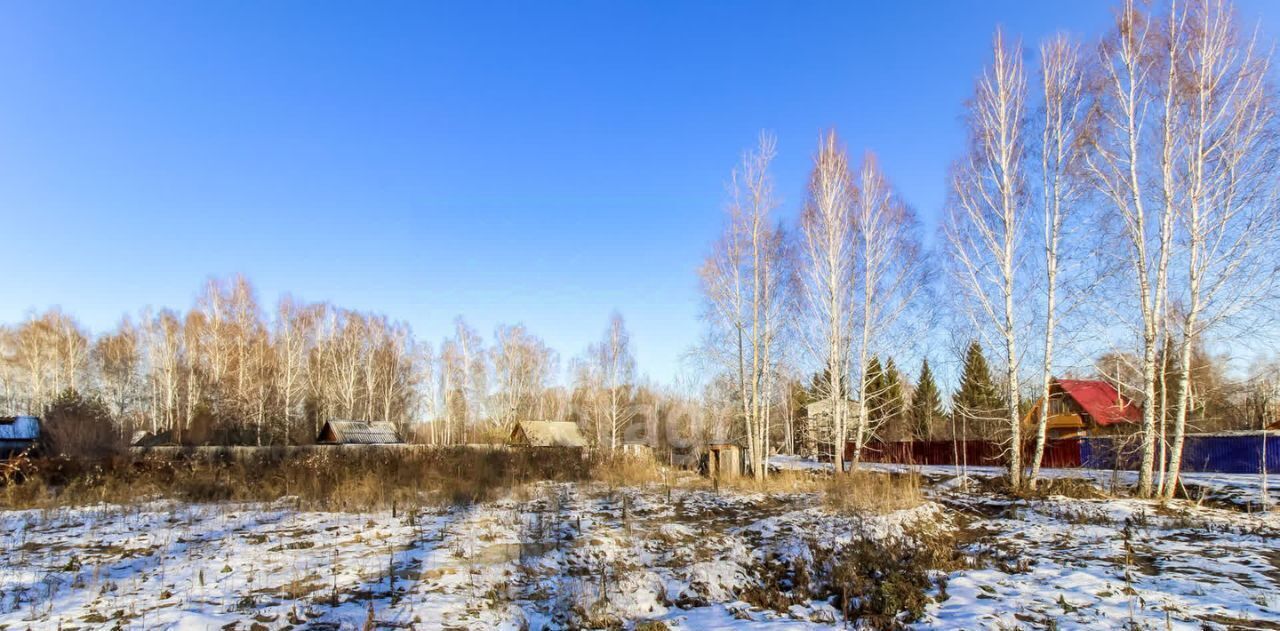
[1210, 453]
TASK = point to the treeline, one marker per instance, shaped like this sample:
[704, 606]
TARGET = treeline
[1118, 200]
[229, 371]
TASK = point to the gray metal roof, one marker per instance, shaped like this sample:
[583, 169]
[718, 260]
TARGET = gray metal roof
[19, 428]
[362, 432]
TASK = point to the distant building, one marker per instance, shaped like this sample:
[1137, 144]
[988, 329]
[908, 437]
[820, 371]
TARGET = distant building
[547, 434]
[162, 438]
[725, 460]
[638, 450]
[358, 433]
[1085, 407]
[823, 408]
[17, 434]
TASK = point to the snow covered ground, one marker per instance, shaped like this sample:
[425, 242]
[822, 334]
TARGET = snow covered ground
[556, 555]
[1230, 488]
[564, 554]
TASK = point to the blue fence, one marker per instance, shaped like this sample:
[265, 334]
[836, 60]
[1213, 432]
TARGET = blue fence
[1211, 453]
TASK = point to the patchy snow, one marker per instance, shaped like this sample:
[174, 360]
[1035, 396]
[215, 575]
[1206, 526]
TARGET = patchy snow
[558, 555]
[1080, 564]
[565, 554]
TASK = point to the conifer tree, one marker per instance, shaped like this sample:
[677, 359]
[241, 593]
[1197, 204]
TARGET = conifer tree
[977, 404]
[894, 400]
[876, 390]
[926, 405]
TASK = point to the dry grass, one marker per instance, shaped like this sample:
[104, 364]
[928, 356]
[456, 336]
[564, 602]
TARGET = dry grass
[623, 470]
[778, 482]
[872, 492]
[328, 480]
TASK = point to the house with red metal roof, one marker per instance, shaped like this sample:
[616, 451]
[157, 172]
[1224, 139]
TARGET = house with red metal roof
[1085, 407]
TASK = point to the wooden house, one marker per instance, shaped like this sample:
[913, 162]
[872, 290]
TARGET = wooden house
[358, 433]
[1084, 407]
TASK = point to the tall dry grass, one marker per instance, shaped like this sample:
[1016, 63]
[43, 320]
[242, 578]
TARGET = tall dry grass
[872, 492]
[337, 479]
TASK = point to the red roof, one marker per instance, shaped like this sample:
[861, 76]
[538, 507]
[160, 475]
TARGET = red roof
[1101, 402]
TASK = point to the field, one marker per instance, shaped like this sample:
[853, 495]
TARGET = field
[887, 550]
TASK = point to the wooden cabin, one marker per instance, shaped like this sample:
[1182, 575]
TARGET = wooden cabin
[547, 434]
[358, 433]
[1084, 407]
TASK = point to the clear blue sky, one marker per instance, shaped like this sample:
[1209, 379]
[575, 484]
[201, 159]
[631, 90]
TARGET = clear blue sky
[535, 162]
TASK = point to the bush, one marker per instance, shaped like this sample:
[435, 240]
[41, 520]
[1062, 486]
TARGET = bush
[80, 427]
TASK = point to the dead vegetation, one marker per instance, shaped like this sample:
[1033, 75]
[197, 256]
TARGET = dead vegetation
[873, 582]
[325, 480]
[872, 492]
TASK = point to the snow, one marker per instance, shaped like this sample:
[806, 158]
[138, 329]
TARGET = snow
[1104, 563]
[1232, 488]
[558, 555]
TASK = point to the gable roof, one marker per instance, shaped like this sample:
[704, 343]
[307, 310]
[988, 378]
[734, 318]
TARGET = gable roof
[162, 438]
[19, 428]
[359, 433]
[550, 434]
[1101, 401]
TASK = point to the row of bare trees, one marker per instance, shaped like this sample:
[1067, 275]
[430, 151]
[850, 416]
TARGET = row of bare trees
[229, 371]
[836, 295]
[224, 367]
[1125, 192]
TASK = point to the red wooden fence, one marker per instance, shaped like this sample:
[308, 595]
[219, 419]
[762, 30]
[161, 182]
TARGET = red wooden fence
[1062, 452]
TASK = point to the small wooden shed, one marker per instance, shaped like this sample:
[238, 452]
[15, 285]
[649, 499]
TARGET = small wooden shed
[547, 434]
[358, 433]
[724, 460]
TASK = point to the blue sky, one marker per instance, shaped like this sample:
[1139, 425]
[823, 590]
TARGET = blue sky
[530, 162]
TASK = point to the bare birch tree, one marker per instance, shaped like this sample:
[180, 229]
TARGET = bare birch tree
[1134, 110]
[1226, 151]
[522, 368]
[888, 275]
[117, 357]
[1062, 128]
[612, 375]
[986, 216]
[826, 272]
[739, 281]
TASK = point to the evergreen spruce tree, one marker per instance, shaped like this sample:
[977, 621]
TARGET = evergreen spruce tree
[894, 401]
[875, 392]
[977, 403]
[926, 405]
